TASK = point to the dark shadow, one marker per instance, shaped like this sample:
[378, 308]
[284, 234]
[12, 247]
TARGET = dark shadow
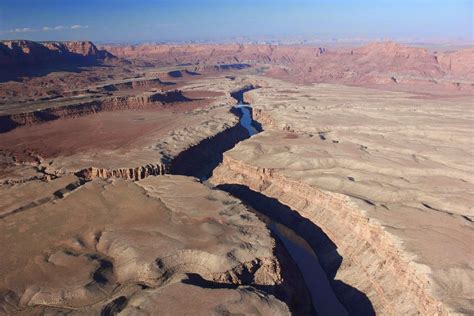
[197, 280]
[200, 160]
[355, 301]
[16, 73]
[192, 73]
[291, 291]
[239, 94]
[175, 74]
[225, 67]
[114, 307]
[181, 73]
[42, 58]
[170, 97]
[103, 273]
[7, 124]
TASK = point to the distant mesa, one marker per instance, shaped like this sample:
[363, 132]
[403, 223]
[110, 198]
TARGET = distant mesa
[26, 53]
[386, 65]
[182, 73]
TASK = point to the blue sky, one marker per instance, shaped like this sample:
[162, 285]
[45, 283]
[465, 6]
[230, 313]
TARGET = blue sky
[162, 20]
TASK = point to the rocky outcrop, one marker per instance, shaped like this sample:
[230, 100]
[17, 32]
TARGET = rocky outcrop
[23, 52]
[200, 159]
[405, 229]
[133, 84]
[135, 174]
[115, 103]
[372, 259]
[458, 63]
[145, 246]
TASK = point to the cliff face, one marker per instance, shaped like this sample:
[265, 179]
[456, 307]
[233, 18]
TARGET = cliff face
[135, 174]
[387, 64]
[128, 102]
[459, 63]
[372, 261]
[364, 167]
[23, 52]
[380, 57]
[217, 54]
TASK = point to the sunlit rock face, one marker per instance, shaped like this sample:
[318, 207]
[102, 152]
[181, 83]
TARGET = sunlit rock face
[138, 186]
[386, 175]
[131, 244]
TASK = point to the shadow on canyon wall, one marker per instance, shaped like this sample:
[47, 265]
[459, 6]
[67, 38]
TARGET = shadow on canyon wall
[18, 72]
[239, 94]
[355, 301]
[11, 121]
[201, 159]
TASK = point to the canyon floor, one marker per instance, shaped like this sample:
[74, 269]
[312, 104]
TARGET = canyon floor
[137, 187]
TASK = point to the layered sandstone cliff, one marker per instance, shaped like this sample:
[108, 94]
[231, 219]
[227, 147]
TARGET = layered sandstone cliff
[23, 52]
[367, 168]
[372, 260]
[139, 101]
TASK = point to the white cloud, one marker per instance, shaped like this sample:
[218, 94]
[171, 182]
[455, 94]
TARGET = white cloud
[78, 26]
[46, 28]
[61, 27]
[20, 30]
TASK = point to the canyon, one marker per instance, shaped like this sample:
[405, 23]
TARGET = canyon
[249, 179]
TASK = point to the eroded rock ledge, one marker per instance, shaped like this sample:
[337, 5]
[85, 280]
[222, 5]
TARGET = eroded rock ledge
[198, 159]
[150, 242]
[373, 261]
[126, 102]
[137, 173]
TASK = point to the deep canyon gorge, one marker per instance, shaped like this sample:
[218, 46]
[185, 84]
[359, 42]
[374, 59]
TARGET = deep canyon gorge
[250, 179]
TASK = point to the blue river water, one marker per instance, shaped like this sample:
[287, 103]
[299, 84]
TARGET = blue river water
[246, 119]
[322, 295]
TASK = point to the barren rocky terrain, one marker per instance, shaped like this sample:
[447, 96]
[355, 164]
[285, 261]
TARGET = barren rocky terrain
[387, 176]
[131, 184]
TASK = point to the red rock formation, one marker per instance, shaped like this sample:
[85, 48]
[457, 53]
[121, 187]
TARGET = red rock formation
[22, 52]
[136, 173]
[386, 64]
[459, 63]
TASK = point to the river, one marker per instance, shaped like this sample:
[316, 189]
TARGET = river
[323, 298]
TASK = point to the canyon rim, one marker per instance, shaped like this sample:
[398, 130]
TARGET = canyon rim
[257, 174]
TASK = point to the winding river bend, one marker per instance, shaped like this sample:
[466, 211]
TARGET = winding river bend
[322, 295]
[200, 160]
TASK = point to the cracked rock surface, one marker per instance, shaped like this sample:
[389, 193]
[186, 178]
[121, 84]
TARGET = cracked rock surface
[115, 245]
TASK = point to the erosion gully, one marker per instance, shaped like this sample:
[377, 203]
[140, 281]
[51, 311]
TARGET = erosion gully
[199, 161]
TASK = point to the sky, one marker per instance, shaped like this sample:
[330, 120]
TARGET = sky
[134, 21]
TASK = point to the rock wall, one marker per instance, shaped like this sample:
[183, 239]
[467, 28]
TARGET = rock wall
[200, 159]
[132, 84]
[373, 261]
[128, 102]
[23, 52]
[136, 173]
